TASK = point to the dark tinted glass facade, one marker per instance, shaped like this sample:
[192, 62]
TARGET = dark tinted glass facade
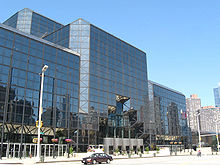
[33, 23]
[101, 94]
[113, 80]
[216, 92]
[169, 118]
[41, 25]
[21, 61]
[60, 37]
[12, 21]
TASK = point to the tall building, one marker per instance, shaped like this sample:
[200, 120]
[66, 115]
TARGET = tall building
[192, 105]
[209, 117]
[21, 59]
[95, 87]
[108, 77]
[217, 95]
[209, 122]
[167, 114]
[33, 23]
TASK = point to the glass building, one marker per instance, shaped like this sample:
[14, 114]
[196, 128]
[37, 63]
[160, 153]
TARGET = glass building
[113, 82]
[21, 59]
[217, 96]
[168, 117]
[33, 23]
[101, 94]
[96, 88]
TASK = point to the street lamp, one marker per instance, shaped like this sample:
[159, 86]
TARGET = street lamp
[40, 111]
[216, 127]
[197, 115]
[189, 134]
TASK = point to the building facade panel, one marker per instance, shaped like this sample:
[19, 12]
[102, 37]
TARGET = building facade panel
[33, 23]
[113, 80]
[103, 94]
[193, 104]
[217, 96]
[170, 114]
[21, 61]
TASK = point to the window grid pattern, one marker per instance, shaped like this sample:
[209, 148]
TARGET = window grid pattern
[79, 42]
[60, 37]
[42, 26]
[116, 68]
[12, 21]
[24, 20]
[171, 119]
[20, 66]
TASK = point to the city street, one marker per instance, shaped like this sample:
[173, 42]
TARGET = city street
[175, 160]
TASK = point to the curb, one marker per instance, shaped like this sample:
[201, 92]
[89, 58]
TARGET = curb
[79, 160]
[58, 161]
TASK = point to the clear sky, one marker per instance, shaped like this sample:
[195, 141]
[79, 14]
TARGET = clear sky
[181, 37]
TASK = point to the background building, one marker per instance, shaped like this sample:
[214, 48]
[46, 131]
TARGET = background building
[168, 115]
[209, 123]
[192, 105]
[217, 95]
[209, 117]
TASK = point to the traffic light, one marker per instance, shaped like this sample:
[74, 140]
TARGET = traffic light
[37, 124]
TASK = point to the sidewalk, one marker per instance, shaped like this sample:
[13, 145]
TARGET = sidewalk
[31, 161]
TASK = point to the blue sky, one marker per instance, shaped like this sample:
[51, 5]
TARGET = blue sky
[181, 37]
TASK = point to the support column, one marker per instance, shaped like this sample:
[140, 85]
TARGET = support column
[49, 151]
[14, 151]
[30, 151]
[7, 151]
[24, 154]
[45, 150]
[35, 150]
[58, 154]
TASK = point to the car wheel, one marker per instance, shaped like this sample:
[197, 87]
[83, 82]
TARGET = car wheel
[94, 162]
[108, 161]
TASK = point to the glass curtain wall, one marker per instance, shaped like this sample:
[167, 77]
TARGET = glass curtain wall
[33, 23]
[117, 69]
[109, 68]
[21, 61]
[170, 114]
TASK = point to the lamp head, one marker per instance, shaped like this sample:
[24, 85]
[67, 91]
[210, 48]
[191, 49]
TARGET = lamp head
[44, 68]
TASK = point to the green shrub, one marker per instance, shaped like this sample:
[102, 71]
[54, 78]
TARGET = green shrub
[71, 150]
[147, 149]
[117, 150]
[157, 149]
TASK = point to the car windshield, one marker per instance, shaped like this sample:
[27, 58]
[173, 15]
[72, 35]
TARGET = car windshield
[93, 155]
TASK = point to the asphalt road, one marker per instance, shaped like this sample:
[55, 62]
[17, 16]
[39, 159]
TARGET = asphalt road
[174, 160]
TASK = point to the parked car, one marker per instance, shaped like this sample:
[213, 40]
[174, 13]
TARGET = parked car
[97, 158]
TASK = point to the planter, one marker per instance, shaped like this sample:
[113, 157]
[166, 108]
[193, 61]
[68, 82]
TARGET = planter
[36, 139]
[129, 155]
[68, 140]
[54, 140]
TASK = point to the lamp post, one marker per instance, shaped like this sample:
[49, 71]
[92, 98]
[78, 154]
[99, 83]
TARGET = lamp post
[216, 128]
[217, 136]
[150, 131]
[197, 115]
[40, 111]
[188, 129]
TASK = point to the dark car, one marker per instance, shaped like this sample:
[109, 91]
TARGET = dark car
[97, 158]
